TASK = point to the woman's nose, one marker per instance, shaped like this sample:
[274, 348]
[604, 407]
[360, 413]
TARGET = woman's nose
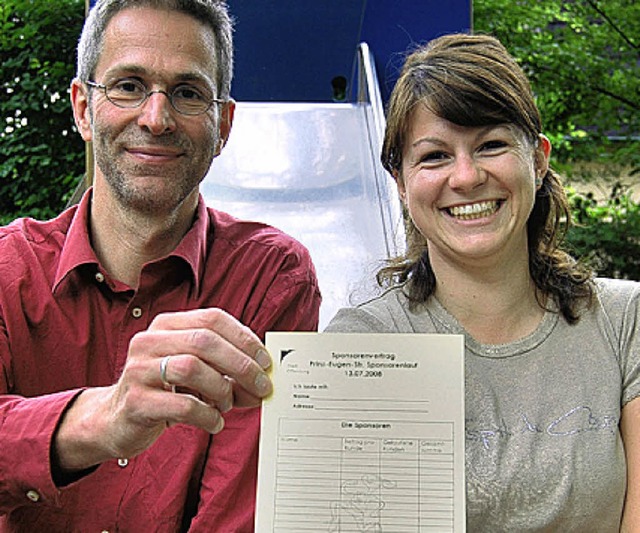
[467, 173]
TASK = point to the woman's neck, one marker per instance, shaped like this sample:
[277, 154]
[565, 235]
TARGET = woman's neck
[495, 306]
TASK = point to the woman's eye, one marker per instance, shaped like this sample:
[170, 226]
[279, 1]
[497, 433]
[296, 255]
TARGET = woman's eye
[493, 145]
[433, 157]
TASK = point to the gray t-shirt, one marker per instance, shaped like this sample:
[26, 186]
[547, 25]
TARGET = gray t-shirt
[543, 448]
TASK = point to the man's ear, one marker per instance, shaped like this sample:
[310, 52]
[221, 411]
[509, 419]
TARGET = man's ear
[80, 106]
[227, 111]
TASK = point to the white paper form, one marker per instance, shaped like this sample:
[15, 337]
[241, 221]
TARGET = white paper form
[363, 433]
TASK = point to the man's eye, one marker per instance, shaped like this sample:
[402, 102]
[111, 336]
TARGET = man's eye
[187, 92]
[124, 88]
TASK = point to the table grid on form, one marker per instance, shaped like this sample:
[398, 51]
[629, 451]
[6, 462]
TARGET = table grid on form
[365, 483]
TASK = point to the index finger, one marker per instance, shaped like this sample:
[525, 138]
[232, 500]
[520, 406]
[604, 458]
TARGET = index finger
[222, 323]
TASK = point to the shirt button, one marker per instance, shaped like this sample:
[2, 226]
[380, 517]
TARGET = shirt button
[99, 277]
[136, 312]
[33, 495]
[123, 462]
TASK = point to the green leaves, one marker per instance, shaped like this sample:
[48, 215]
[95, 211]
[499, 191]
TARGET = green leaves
[583, 59]
[41, 156]
[607, 232]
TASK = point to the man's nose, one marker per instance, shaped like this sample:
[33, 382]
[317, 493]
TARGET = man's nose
[157, 113]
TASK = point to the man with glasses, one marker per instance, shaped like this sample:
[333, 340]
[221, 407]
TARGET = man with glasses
[131, 326]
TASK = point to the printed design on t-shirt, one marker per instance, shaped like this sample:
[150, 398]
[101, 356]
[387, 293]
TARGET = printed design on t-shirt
[580, 419]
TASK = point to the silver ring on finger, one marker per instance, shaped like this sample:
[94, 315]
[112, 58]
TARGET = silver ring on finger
[164, 363]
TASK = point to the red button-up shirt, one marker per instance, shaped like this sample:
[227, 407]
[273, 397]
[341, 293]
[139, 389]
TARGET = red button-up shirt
[65, 325]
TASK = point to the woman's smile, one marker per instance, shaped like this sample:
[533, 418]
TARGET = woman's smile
[473, 211]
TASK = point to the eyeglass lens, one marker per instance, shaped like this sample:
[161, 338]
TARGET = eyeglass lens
[186, 99]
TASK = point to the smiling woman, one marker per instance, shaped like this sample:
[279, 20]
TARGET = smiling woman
[469, 190]
[552, 354]
[469, 88]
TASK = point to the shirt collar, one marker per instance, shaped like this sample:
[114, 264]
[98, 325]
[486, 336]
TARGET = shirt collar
[77, 250]
[193, 247]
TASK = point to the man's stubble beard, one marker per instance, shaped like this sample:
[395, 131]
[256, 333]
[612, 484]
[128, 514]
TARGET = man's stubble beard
[109, 155]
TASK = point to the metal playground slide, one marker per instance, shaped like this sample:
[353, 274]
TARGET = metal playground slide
[312, 170]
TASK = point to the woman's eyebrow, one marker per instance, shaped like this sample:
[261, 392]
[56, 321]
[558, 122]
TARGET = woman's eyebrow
[427, 140]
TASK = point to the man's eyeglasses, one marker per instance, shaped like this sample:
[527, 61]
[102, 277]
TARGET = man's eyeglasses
[129, 93]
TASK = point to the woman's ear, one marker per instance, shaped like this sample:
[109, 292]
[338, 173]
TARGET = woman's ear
[543, 153]
[402, 191]
[81, 111]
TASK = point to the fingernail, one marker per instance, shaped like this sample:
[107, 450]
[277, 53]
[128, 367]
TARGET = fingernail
[225, 406]
[219, 426]
[263, 358]
[263, 383]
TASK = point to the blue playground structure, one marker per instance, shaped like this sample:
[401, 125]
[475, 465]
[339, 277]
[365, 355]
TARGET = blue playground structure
[291, 50]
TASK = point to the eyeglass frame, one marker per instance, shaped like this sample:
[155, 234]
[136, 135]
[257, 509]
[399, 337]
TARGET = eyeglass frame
[148, 94]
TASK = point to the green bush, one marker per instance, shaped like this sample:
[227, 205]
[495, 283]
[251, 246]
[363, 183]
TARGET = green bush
[606, 233]
[41, 154]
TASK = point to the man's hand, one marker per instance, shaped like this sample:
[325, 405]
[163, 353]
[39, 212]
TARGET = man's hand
[214, 364]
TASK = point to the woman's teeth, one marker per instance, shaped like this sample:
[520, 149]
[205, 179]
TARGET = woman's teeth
[473, 211]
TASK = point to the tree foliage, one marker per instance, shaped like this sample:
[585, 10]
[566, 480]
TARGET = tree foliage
[606, 233]
[583, 59]
[41, 154]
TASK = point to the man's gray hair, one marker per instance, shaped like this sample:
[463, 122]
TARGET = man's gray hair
[212, 13]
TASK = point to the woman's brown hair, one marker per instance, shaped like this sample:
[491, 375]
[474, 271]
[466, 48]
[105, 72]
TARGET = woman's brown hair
[472, 80]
